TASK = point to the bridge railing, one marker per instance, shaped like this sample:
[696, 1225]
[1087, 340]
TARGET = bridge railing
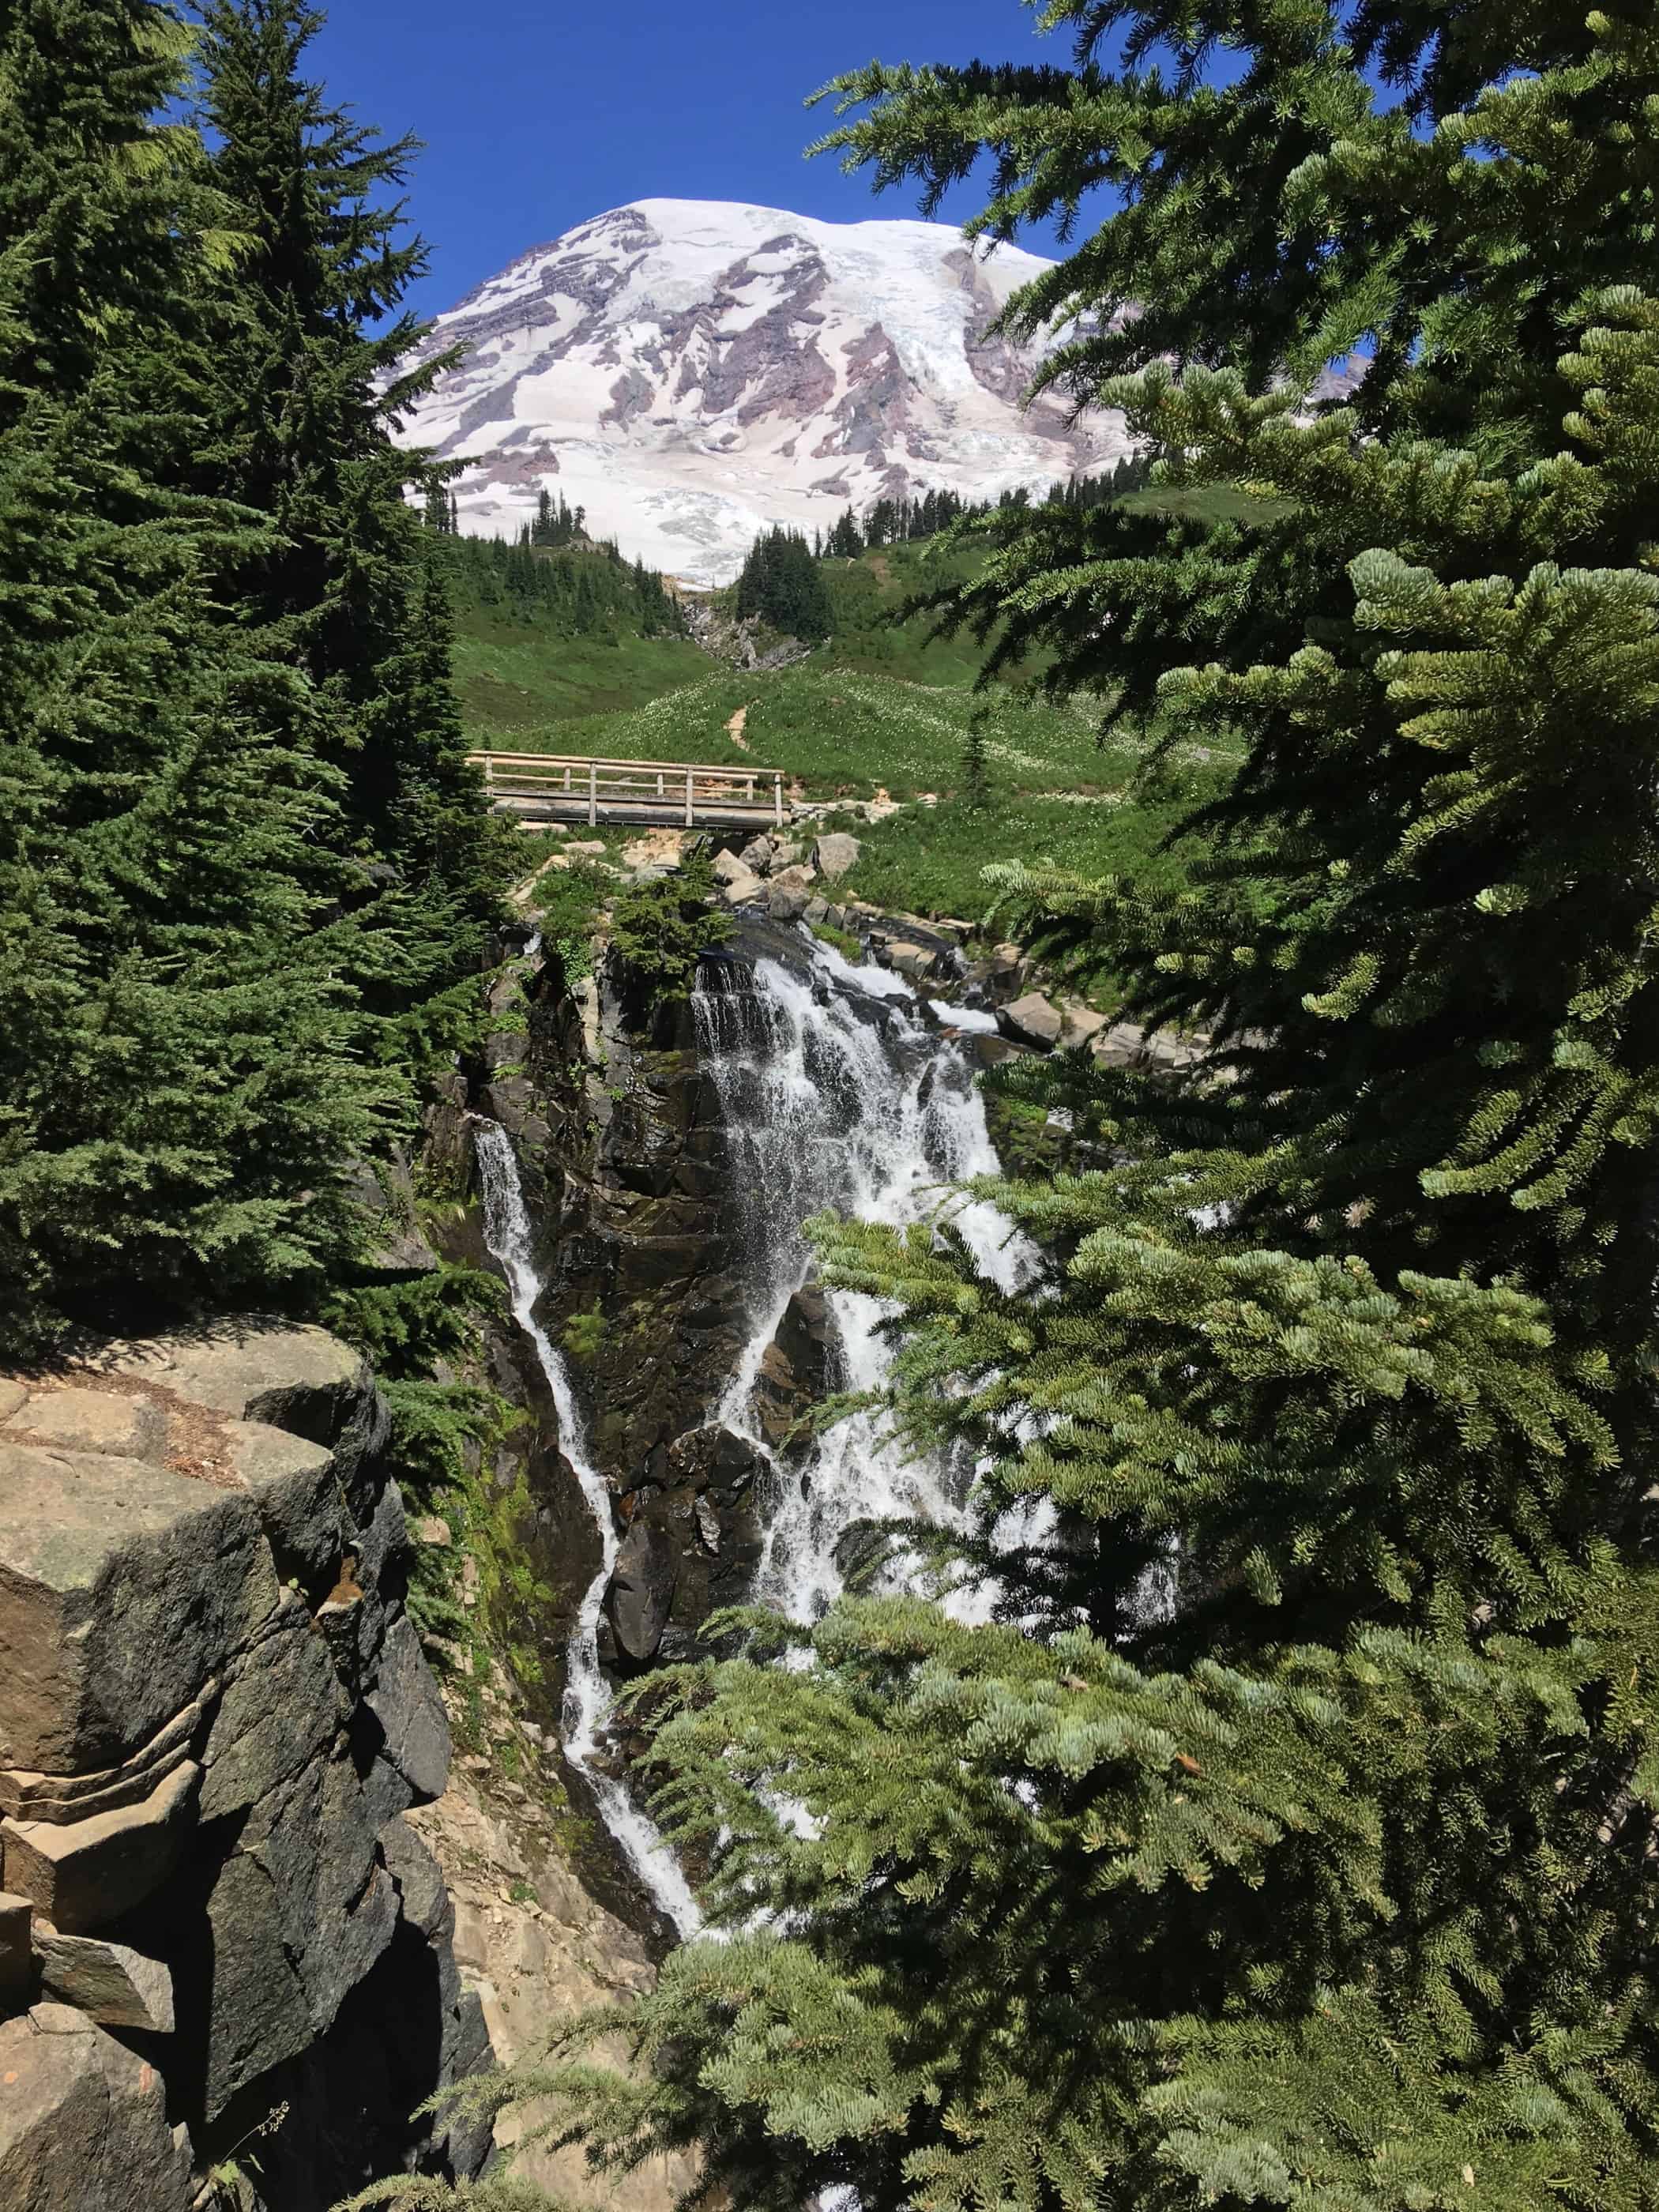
[569, 785]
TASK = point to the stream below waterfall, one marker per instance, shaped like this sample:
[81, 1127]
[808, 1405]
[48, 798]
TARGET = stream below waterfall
[836, 1093]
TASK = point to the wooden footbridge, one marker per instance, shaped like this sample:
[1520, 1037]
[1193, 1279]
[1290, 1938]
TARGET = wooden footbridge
[560, 787]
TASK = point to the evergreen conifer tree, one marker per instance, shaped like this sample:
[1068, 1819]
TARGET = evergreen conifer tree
[177, 1085]
[1287, 1837]
[314, 374]
[780, 582]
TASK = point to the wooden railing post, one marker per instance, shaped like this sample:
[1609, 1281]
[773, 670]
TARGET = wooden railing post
[592, 794]
[777, 800]
[690, 811]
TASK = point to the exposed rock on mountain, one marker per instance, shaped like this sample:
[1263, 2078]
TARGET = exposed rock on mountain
[690, 371]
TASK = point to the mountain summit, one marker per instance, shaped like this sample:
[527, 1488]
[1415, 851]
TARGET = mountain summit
[692, 371]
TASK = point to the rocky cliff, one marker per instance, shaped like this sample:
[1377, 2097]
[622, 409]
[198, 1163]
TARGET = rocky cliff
[222, 1946]
[635, 1177]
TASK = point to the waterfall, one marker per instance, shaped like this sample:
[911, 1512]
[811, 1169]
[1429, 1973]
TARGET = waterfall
[587, 1696]
[833, 1093]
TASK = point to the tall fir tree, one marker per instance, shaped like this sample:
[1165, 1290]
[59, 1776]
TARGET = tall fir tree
[176, 1086]
[1288, 1837]
[315, 372]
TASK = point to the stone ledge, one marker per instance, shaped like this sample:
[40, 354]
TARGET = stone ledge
[86, 1875]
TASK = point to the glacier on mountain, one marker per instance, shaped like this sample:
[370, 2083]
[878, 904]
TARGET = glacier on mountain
[692, 371]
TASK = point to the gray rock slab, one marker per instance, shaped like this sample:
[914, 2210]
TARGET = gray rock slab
[1031, 1020]
[404, 1699]
[121, 1588]
[295, 1377]
[83, 2122]
[739, 890]
[834, 855]
[93, 1420]
[296, 1492]
[466, 2052]
[283, 1706]
[912, 960]
[422, 1892]
[85, 1874]
[109, 1983]
[258, 2015]
[300, 1913]
[1082, 1024]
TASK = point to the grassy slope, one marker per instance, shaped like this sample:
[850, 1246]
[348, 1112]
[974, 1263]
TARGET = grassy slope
[515, 679]
[867, 594]
[878, 708]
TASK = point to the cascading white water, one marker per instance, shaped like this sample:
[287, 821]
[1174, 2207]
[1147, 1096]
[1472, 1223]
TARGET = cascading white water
[586, 1697]
[834, 1094]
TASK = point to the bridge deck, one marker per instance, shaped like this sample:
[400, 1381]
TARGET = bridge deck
[565, 787]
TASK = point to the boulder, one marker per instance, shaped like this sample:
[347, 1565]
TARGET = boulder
[85, 1874]
[714, 1458]
[729, 869]
[914, 961]
[834, 855]
[1082, 1024]
[756, 856]
[797, 1368]
[1031, 1020]
[295, 1377]
[1002, 971]
[740, 888]
[122, 1586]
[83, 2122]
[110, 1984]
[640, 1595]
[16, 1959]
[655, 852]
[788, 890]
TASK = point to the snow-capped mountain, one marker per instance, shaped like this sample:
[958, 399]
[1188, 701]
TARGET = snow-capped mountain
[692, 371]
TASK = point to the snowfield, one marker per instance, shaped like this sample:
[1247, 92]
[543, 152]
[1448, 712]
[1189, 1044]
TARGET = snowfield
[692, 371]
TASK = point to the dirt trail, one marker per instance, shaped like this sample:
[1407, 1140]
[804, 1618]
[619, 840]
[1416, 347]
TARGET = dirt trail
[734, 729]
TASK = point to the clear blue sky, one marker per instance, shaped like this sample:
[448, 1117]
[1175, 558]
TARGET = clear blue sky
[536, 116]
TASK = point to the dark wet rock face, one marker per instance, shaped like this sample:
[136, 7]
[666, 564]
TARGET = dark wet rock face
[640, 1596]
[796, 1371]
[214, 1711]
